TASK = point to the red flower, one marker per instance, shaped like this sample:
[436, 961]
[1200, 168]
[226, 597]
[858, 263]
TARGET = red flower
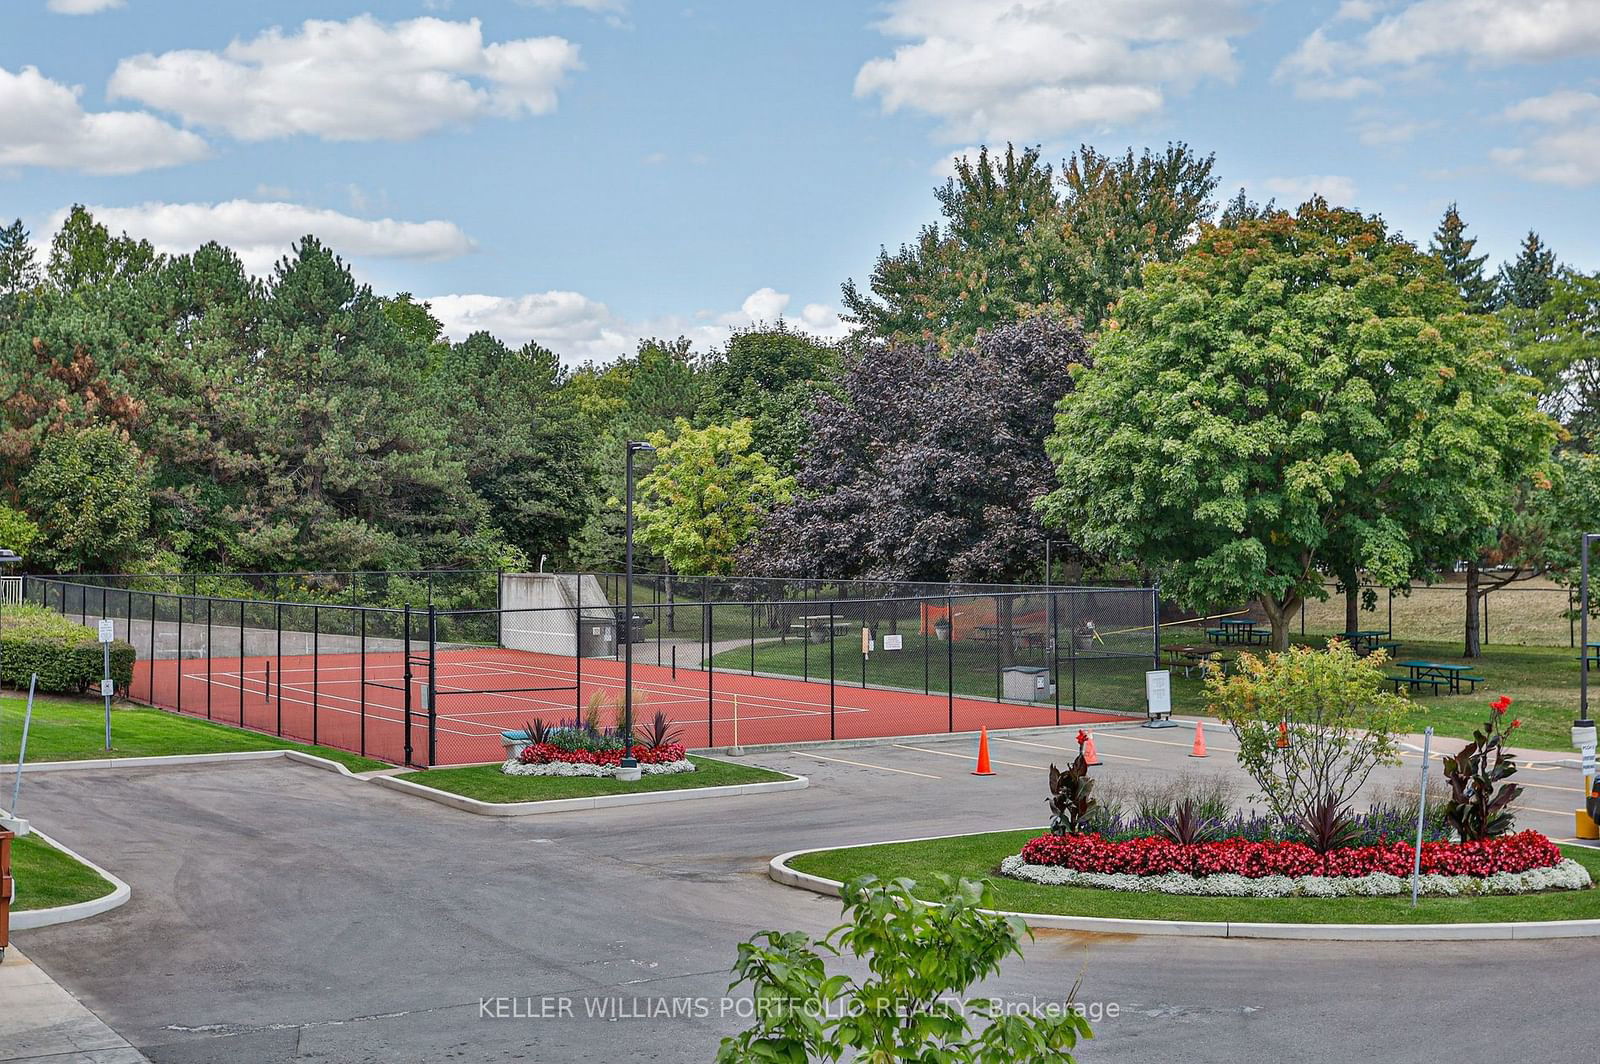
[1083, 736]
[1517, 723]
[1501, 704]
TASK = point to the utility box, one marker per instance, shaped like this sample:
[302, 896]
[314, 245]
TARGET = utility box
[1026, 683]
[597, 636]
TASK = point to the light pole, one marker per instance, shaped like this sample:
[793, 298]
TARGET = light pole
[1583, 624]
[629, 767]
[1583, 730]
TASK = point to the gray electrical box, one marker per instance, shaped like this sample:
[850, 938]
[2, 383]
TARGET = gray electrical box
[597, 636]
[1026, 683]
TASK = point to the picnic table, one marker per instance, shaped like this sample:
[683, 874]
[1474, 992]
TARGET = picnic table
[1591, 654]
[1021, 637]
[820, 626]
[1191, 657]
[1368, 640]
[1434, 675]
[1231, 630]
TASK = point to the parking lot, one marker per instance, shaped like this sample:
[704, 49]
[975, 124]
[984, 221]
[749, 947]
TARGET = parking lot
[281, 913]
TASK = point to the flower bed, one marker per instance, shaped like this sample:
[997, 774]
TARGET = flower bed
[571, 752]
[578, 768]
[549, 753]
[1527, 861]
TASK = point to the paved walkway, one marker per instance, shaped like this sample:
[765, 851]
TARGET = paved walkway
[39, 1021]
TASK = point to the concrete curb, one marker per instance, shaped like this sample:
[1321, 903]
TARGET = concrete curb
[169, 760]
[890, 740]
[778, 871]
[600, 801]
[28, 919]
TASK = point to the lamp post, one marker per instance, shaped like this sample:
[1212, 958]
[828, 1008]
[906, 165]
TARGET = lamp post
[629, 769]
[1583, 729]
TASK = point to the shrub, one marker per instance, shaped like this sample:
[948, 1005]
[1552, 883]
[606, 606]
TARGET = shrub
[1311, 725]
[65, 654]
[1479, 806]
[903, 999]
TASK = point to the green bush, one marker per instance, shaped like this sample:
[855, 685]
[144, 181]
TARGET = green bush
[65, 654]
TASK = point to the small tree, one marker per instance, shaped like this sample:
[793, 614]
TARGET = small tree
[921, 957]
[89, 491]
[706, 496]
[1312, 725]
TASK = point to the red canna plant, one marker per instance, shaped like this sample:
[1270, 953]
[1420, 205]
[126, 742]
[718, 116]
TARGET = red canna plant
[1480, 802]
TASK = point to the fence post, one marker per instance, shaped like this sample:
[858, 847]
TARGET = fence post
[832, 693]
[711, 676]
[1155, 617]
[752, 639]
[433, 701]
[152, 646]
[922, 630]
[577, 652]
[179, 706]
[499, 615]
[1055, 654]
[999, 636]
[363, 695]
[950, 662]
[405, 681]
[1485, 619]
[208, 659]
[316, 661]
[278, 621]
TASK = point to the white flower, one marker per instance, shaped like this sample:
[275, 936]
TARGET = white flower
[574, 768]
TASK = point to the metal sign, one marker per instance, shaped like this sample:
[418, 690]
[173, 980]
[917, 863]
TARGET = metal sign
[1158, 692]
[108, 630]
[108, 687]
[893, 642]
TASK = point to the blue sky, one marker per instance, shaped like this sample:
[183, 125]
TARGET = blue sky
[583, 172]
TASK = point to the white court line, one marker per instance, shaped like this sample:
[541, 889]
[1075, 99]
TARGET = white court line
[863, 764]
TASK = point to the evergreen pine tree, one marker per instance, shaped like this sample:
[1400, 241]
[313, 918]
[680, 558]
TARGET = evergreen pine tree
[1525, 283]
[19, 268]
[1452, 247]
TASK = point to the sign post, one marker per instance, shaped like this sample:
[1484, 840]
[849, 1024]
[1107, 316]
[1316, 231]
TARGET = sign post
[108, 632]
[1422, 813]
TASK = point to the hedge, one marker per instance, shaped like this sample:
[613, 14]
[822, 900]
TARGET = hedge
[65, 654]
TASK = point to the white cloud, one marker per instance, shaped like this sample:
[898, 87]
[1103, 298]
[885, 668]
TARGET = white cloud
[1034, 69]
[581, 329]
[1567, 150]
[43, 123]
[1293, 191]
[1380, 132]
[262, 232]
[1492, 32]
[81, 7]
[356, 80]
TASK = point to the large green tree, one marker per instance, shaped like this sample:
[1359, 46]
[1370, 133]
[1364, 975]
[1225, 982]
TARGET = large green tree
[1296, 396]
[1559, 343]
[1015, 242]
[1525, 281]
[706, 496]
[770, 375]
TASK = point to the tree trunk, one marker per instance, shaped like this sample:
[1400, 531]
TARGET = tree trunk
[1352, 604]
[1279, 615]
[1003, 621]
[672, 613]
[1474, 598]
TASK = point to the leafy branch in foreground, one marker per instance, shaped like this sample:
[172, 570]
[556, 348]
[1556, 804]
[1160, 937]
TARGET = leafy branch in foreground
[921, 956]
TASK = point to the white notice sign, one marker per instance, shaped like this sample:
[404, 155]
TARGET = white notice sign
[108, 630]
[108, 688]
[1158, 692]
[892, 642]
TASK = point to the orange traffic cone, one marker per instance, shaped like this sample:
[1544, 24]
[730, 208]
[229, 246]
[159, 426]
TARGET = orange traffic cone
[1090, 758]
[1283, 735]
[983, 768]
[1199, 741]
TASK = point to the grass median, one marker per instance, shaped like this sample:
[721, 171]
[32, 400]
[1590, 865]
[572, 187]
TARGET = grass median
[487, 783]
[66, 729]
[47, 877]
[979, 856]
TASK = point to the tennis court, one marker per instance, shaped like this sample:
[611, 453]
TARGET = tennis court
[358, 702]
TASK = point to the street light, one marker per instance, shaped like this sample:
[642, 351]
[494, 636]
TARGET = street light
[629, 768]
[1583, 621]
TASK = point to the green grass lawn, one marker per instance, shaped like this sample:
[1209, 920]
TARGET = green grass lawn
[46, 877]
[488, 784]
[978, 857]
[1542, 681]
[74, 729]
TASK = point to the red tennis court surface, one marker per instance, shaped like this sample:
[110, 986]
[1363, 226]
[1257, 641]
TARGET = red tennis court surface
[343, 701]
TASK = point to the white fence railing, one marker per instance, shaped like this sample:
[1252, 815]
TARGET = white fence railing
[10, 590]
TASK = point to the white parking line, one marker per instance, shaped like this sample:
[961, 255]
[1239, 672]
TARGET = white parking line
[972, 758]
[1069, 749]
[863, 764]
